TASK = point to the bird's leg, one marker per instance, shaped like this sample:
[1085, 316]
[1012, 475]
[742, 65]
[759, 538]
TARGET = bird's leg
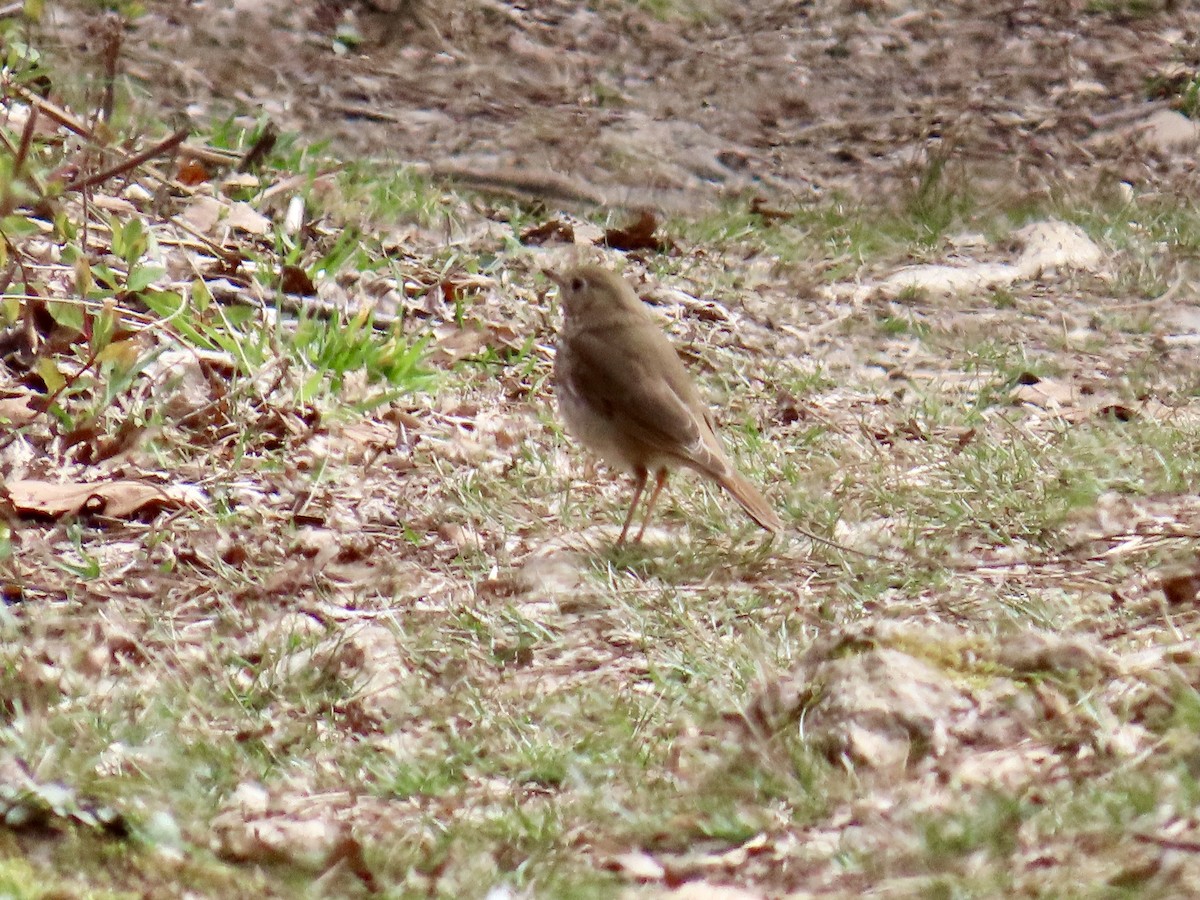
[640, 475]
[660, 481]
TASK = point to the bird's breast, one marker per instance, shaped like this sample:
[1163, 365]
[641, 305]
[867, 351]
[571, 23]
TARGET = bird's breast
[598, 426]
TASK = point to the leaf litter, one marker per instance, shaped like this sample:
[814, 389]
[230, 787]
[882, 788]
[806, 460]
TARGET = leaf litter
[382, 583]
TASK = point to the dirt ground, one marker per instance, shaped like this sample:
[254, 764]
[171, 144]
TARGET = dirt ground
[792, 99]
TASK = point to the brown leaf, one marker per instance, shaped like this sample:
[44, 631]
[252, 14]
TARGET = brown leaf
[1117, 410]
[1047, 393]
[962, 437]
[1181, 589]
[759, 207]
[555, 230]
[16, 411]
[262, 146]
[117, 499]
[128, 436]
[638, 235]
[294, 280]
[455, 343]
[454, 288]
[451, 290]
[909, 430]
[192, 173]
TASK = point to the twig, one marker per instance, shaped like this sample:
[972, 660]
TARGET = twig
[258, 152]
[19, 155]
[208, 155]
[1168, 842]
[26, 140]
[521, 183]
[57, 113]
[110, 54]
[131, 163]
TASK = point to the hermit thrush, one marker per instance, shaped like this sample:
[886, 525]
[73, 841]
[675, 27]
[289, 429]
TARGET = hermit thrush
[625, 394]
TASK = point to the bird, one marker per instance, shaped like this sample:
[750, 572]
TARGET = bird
[624, 393]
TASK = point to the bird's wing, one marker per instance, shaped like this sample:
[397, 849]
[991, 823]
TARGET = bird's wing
[645, 391]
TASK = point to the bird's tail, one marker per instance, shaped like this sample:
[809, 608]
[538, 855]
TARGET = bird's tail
[754, 503]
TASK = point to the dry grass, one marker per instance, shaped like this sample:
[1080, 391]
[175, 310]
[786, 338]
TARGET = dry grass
[388, 644]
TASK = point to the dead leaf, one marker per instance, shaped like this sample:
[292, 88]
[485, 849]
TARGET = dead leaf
[465, 283]
[118, 205]
[262, 146]
[364, 439]
[306, 842]
[258, 828]
[1116, 410]
[192, 173]
[878, 707]
[962, 436]
[759, 207]
[910, 430]
[948, 280]
[294, 280]
[554, 230]
[1042, 652]
[455, 343]
[244, 217]
[238, 181]
[1056, 245]
[1181, 588]
[125, 439]
[16, 411]
[733, 859]
[1047, 393]
[116, 499]
[203, 213]
[639, 865]
[638, 235]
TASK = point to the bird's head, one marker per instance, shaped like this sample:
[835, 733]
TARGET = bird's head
[590, 292]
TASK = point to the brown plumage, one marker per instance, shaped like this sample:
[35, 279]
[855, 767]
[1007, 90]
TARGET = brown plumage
[625, 394]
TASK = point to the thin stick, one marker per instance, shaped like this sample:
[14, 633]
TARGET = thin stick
[131, 163]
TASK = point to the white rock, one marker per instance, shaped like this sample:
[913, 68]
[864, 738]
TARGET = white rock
[1056, 245]
[950, 280]
[1166, 131]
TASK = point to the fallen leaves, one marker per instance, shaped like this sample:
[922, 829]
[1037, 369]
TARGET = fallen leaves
[118, 499]
[244, 217]
[425, 528]
[455, 342]
[28, 804]
[550, 231]
[294, 280]
[1077, 401]
[640, 233]
[1181, 587]
[18, 411]
[257, 828]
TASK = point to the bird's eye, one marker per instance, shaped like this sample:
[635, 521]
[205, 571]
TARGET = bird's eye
[576, 285]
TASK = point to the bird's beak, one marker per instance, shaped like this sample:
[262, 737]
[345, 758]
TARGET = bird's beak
[555, 277]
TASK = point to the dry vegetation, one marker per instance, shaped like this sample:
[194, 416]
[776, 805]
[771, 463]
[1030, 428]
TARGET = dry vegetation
[307, 593]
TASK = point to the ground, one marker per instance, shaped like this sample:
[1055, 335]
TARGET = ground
[308, 591]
